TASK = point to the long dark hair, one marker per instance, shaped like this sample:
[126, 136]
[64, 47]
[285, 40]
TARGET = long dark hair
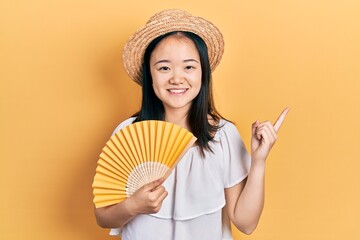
[202, 106]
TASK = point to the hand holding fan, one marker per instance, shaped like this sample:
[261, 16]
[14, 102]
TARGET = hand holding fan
[136, 155]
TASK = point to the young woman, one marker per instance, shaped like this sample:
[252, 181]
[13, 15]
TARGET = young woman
[172, 58]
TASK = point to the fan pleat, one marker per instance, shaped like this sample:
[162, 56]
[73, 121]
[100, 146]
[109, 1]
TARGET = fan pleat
[171, 145]
[145, 129]
[152, 134]
[104, 191]
[99, 183]
[133, 143]
[106, 200]
[141, 146]
[174, 148]
[106, 171]
[138, 154]
[124, 149]
[136, 145]
[107, 203]
[110, 173]
[109, 161]
[130, 147]
[183, 143]
[115, 163]
[110, 154]
[102, 177]
[163, 141]
[120, 159]
[151, 125]
[144, 133]
[158, 140]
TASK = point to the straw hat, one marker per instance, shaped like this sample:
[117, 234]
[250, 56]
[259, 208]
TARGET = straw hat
[168, 21]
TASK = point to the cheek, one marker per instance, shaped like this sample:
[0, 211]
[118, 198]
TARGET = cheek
[155, 81]
[157, 78]
[198, 82]
[157, 87]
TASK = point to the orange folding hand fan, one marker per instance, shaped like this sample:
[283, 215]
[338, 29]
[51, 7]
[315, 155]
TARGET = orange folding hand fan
[138, 154]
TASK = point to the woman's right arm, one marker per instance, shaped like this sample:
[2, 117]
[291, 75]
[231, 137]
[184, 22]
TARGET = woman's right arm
[146, 200]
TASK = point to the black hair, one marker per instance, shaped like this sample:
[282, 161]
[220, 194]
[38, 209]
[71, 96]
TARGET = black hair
[202, 106]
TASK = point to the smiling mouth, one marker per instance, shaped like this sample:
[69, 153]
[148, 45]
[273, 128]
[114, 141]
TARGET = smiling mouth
[177, 91]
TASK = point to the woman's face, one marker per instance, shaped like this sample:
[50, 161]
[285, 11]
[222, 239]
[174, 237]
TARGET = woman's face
[176, 72]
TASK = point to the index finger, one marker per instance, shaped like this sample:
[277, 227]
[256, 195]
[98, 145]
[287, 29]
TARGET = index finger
[280, 119]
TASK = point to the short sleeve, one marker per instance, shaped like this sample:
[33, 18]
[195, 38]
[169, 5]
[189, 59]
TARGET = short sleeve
[124, 124]
[236, 159]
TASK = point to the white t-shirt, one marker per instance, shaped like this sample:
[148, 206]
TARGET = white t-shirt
[193, 207]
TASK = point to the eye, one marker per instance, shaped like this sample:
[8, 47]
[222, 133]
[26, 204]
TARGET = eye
[164, 68]
[189, 67]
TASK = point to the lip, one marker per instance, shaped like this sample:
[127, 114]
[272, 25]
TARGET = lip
[177, 91]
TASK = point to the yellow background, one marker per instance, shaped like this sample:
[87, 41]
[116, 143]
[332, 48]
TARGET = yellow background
[63, 90]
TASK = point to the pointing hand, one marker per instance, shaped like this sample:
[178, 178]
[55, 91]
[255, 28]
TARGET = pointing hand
[264, 136]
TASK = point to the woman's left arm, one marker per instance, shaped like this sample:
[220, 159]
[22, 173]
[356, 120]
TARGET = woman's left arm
[245, 200]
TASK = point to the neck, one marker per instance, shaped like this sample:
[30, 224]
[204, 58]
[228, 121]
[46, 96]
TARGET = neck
[177, 117]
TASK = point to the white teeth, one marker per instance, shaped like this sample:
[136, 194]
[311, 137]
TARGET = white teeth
[177, 90]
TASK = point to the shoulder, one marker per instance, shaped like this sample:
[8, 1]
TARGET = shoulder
[222, 125]
[227, 131]
[124, 124]
[227, 126]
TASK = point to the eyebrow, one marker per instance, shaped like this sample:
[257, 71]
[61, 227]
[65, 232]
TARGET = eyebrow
[167, 61]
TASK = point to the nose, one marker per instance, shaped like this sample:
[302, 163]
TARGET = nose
[177, 77]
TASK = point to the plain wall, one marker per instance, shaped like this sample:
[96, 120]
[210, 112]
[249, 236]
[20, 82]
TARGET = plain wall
[63, 91]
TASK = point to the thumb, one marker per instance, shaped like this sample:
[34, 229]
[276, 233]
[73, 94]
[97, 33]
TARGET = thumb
[154, 184]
